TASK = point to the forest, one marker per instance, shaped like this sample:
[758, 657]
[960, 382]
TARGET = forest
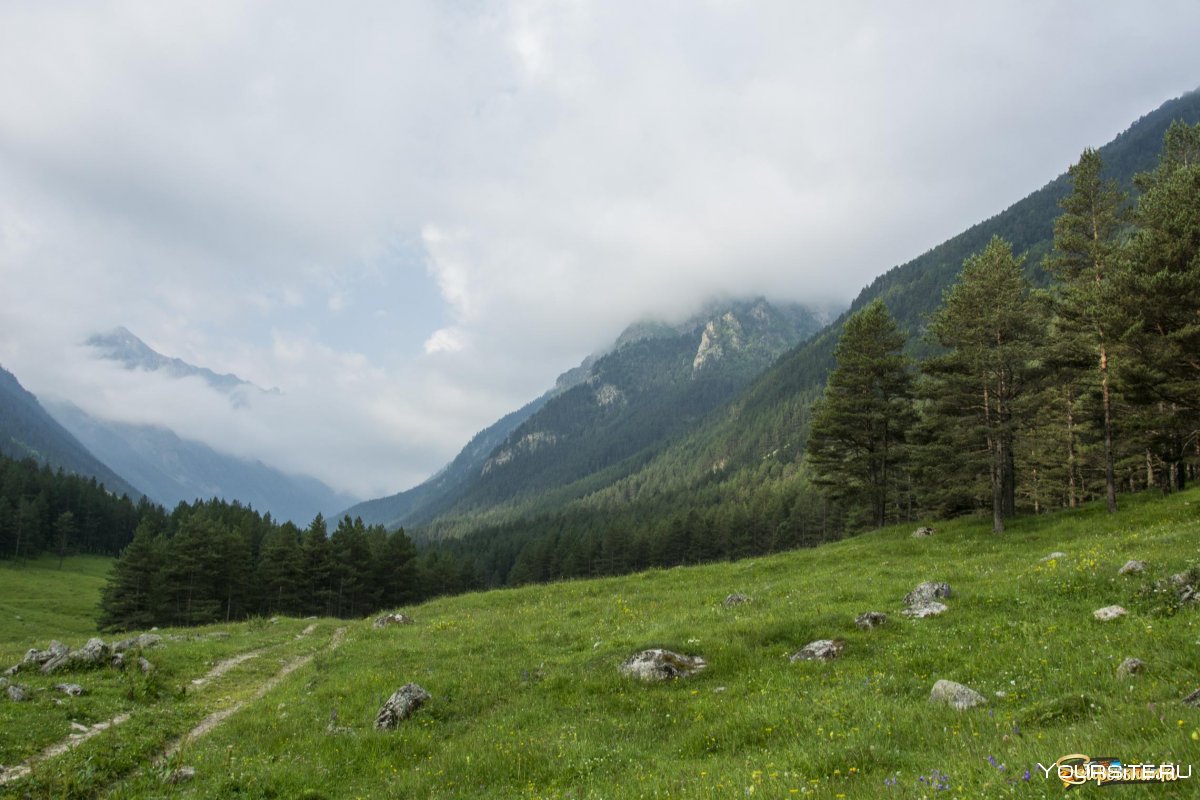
[1027, 399]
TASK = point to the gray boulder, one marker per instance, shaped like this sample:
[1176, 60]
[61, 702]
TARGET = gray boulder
[735, 599]
[1131, 567]
[820, 650]
[182, 775]
[142, 642]
[922, 532]
[660, 665]
[1109, 613]
[870, 619]
[403, 703]
[928, 609]
[1131, 666]
[72, 689]
[393, 619]
[1193, 699]
[925, 592]
[955, 695]
[17, 693]
[144, 665]
[1055, 556]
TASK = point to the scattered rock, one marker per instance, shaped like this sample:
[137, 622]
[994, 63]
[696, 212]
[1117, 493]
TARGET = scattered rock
[930, 590]
[1193, 699]
[400, 706]
[929, 609]
[393, 619]
[3, 682]
[955, 695]
[273, 621]
[1182, 585]
[1109, 613]
[118, 661]
[17, 693]
[182, 775]
[923, 531]
[75, 726]
[659, 665]
[144, 665]
[1055, 556]
[870, 619]
[218, 635]
[1131, 666]
[820, 650]
[1132, 566]
[735, 599]
[72, 689]
[143, 642]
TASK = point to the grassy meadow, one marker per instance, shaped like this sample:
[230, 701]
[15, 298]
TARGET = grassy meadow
[528, 703]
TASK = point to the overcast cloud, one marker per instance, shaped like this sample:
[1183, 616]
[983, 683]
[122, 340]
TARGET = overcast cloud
[410, 217]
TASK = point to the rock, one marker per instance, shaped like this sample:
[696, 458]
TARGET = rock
[17, 693]
[1055, 556]
[144, 665]
[273, 621]
[400, 706]
[218, 635]
[930, 590]
[3, 682]
[393, 619]
[182, 775]
[118, 661]
[72, 689]
[143, 642]
[37, 658]
[1131, 567]
[1193, 699]
[820, 650]
[870, 619]
[1131, 666]
[923, 531]
[1180, 583]
[1109, 613]
[955, 695]
[735, 599]
[660, 665]
[929, 609]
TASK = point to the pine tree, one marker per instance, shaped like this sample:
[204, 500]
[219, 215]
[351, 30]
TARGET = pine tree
[132, 598]
[856, 447]
[990, 326]
[1087, 254]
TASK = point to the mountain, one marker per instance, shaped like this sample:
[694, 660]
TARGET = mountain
[28, 431]
[606, 417]
[172, 469]
[122, 346]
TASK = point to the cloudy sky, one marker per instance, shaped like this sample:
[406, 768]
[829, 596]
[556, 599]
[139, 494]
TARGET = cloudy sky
[410, 217]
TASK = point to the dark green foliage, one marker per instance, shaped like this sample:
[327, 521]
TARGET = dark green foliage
[860, 426]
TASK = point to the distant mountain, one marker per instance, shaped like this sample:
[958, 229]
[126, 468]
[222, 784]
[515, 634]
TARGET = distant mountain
[172, 469]
[124, 347]
[606, 417]
[28, 431]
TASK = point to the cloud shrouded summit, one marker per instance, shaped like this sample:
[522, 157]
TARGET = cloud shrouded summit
[411, 217]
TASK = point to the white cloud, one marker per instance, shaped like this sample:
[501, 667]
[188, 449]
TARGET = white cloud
[410, 218]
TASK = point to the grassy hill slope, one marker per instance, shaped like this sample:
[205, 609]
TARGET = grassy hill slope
[527, 701]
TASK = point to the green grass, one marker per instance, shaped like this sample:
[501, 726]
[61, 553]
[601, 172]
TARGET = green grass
[40, 601]
[528, 701]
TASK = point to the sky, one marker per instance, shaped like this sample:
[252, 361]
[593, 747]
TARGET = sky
[411, 217]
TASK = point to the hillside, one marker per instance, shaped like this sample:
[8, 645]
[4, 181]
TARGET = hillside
[527, 700]
[27, 431]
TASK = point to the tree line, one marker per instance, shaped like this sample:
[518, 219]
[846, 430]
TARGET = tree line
[1034, 399]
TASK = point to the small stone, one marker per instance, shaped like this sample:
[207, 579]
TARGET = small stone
[1131, 666]
[1109, 613]
[144, 665]
[273, 621]
[182, 775]
[75, 726]
[218, 635]
[1055, 556]
[820, 650]
[955, 695]
[403, 703]
[1193, 699]
[735, 599]
[72, 689]
[870, 619]
[930, 609]
[660, 665]
[143, 642]
[930, 590]
[393, 619]
[1131, 567]
[923, 531]
[17, 693]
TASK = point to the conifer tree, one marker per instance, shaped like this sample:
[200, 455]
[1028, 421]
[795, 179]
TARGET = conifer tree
[1087, 253]
[856, 447]
[990, 326]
